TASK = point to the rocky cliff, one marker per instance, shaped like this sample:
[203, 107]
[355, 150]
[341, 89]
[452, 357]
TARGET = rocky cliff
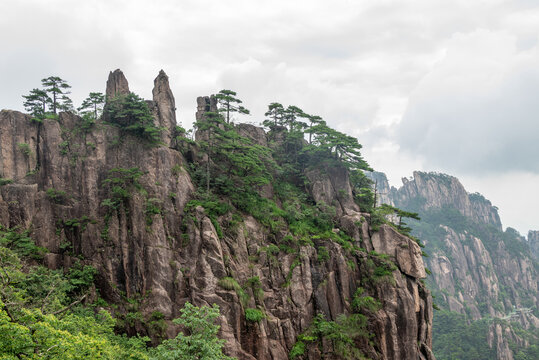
[97, 194]
[477, 269]
[533, 238]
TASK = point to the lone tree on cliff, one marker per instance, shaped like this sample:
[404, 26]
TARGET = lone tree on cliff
[58, 89]
[228, 103]
[94, 102]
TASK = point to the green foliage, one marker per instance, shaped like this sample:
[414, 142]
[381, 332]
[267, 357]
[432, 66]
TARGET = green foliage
[228, 104]
[182, 139]
[276, 116]
[87, 123]
[79, 223]
[20, 243]
[132, 114]
[176, 169]
[4, 181]
[80, 277]
[120, 182]
[254, 315]
[297, 350]
[57, 89]
[456, 338]
[388, 210]
[92, 106]
[256, 286]
[201, 343]
[153, 207]
[323, 254]
[64, 147]
[364, 304]
[229, 283]
[57, 196]
[342, 334]
[25, 149]
[330, 145]
[36, 103]
[528, 347]
[212, 207]
[362, 190]
[39, 318]
[380, 268]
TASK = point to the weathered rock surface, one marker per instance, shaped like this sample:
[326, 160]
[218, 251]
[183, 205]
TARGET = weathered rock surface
[331, 186]
[490, 273]
[438, 190]
[382, 188]
[402, 249]
[116, 84]
[533, 239]
[168, 257]
[166, 106]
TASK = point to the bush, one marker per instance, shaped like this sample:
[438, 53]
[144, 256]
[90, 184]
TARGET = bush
[24, 148]
[57, 196]
[229, 283]
[254, 315]
[130, 112]
[202, 341]
[362, 304]
[4, 181]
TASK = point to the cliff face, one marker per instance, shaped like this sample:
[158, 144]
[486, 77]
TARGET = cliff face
[477, 269]
[533, 238]
[152, 248]
[435, 191]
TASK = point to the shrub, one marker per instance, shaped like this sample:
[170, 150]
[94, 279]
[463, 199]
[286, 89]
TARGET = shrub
[254, 315]
[4, 181]
[229, 283]
[363, 304]
[57, 196]
[130, 112]
[24, 148]
[153, 207]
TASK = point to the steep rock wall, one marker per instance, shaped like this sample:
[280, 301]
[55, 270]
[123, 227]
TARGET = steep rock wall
[477, 269]
[168, 257]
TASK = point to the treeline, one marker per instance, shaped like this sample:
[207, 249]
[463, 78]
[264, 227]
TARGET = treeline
[53, 97]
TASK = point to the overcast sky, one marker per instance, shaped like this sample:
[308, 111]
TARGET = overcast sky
[449, 86]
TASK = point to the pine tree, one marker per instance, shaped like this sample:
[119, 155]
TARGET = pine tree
[94, 102]
[36, 102]
[228, 103]
[291, 116]
[57, 88]
[276, 115]
[314, 120]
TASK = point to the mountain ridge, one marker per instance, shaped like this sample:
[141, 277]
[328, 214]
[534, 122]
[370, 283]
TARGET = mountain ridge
[303, 261]
[478, 270]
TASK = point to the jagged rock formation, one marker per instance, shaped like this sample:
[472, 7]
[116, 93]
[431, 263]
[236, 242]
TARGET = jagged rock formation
[381, 187]
[165, 106]
[117, 84]
[150, 248]
[533, 238]
[435, 190]
[477, 269]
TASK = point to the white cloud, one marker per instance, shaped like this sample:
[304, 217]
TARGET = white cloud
[476, 111]
[459, 76]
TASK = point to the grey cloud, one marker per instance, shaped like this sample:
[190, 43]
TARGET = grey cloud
[477, 130]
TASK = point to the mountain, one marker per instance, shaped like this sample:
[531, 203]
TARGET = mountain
[483, 278]
[239, 217]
